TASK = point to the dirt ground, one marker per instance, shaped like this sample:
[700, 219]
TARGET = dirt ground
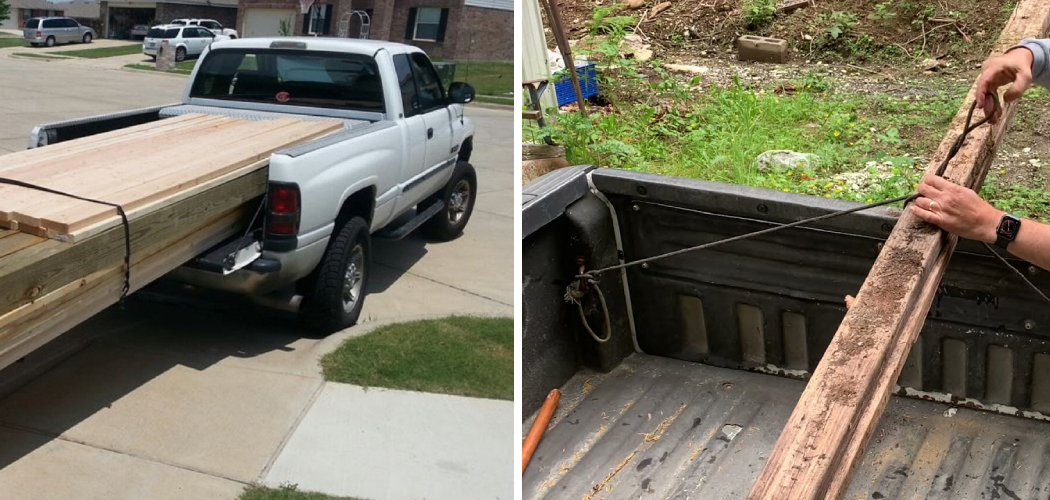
[875, 57]
[959, 30]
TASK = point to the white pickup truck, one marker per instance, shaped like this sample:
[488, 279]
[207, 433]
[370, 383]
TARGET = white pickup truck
[400, 164]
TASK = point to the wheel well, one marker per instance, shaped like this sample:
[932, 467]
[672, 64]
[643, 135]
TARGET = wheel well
[466, 149]
[359, 204]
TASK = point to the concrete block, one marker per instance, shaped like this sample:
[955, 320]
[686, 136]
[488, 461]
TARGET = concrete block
[762, 49]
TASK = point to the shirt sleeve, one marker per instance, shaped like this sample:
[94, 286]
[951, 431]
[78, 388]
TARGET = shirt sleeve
[1040, 54]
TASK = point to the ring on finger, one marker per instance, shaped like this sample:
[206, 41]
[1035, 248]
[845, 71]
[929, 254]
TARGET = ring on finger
[932, 204]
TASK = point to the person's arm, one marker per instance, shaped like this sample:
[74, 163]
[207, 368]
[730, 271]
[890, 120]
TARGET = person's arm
[1040, 49]
[962, 212]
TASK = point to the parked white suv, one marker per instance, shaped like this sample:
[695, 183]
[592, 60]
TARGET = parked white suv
[186, 40]
[213, 25]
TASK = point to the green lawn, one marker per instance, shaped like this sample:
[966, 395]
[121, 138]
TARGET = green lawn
[184, 67]
[284, 493]
[120, 50]
[6, 42]
[488, 78]
[458, 355]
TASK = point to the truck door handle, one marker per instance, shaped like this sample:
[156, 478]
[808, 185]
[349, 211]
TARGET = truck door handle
[430, 133]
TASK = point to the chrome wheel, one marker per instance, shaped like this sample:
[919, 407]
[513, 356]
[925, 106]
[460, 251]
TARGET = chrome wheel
[459, 201]
[352, 279]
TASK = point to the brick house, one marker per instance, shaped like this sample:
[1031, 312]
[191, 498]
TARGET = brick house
[480, 30]
[115, 18]
[21, 10]
[118, 16]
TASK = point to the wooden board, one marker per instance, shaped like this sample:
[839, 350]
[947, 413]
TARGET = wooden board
[42, 266]
[143, 168]
[819, 447]
[33, 325]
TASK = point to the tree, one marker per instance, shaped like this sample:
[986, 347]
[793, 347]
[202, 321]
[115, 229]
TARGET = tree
[5, 11]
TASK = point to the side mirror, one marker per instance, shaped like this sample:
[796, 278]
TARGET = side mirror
[461, 93]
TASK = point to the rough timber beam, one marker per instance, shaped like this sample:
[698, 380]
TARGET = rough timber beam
[825, 436]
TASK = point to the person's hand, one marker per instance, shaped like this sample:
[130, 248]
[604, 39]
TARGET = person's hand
[956, 209]
[1015, 67]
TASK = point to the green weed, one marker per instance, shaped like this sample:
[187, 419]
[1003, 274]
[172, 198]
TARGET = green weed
[759, 13]
[883, 13]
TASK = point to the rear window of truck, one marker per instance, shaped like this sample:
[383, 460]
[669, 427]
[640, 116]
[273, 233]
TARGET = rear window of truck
[291, 77]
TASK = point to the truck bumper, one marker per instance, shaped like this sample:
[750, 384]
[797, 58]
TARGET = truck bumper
[293, 266]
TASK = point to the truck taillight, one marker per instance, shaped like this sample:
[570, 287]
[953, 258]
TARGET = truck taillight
[38, 34]
[283, 209]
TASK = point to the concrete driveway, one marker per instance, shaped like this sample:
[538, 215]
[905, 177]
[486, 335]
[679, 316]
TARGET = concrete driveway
[178, 396]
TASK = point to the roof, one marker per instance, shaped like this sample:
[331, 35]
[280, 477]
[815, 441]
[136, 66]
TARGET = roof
[350, 45]
[507, 5]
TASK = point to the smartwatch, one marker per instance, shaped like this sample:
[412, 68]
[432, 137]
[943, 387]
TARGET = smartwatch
[1006, 231]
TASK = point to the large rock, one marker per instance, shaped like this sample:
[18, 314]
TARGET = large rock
[784, 160]
[634, 4]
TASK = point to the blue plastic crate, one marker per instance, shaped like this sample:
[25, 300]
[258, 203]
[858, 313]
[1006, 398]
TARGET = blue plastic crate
[588, 76]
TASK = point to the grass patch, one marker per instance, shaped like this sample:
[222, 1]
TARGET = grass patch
[488, 77]
[120, 50]
[284, 493]
[718, 134]
[458, 355]
[39, 56]
[184, 67]
[6, 42]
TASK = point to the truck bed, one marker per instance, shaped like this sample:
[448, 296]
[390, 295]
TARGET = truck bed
[656, 427]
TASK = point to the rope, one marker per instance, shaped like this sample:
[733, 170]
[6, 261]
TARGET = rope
[1016, 271]
[574, 293]
[123, 218]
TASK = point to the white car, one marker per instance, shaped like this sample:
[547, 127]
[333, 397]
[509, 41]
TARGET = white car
[186, 40]
[213, 25]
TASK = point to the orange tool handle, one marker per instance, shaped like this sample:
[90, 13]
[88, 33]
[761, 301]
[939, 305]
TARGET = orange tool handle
[538, 428]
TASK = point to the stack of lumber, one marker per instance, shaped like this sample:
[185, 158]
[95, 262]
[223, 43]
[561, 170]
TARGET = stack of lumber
[186, 184]
[824, 439]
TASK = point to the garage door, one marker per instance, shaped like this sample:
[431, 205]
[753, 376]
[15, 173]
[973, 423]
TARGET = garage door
[267, 22]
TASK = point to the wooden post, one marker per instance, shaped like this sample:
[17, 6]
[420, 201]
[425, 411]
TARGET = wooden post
[566, 53]
[821, 444]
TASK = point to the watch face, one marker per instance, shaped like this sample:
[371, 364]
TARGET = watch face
[1008, 227]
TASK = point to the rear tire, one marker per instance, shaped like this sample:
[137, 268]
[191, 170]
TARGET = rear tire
[87, 38]
[154, 58]
[459, 196]
[50, 42]
[335, 293]
[180, 54]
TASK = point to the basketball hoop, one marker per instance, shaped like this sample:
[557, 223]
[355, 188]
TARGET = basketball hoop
[304, 6]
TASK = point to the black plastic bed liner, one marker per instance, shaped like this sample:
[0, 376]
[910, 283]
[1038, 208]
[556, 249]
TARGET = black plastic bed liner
[658, 428]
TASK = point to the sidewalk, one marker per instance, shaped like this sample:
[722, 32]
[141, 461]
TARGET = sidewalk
[400, 445]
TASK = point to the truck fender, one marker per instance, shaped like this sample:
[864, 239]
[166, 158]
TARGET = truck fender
[358, 202]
